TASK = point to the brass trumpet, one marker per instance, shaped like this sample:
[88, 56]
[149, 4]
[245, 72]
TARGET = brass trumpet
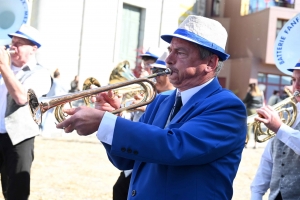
[39, 106]
[287, 111]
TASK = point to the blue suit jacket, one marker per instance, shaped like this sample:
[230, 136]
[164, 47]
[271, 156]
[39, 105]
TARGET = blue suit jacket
[195, 157]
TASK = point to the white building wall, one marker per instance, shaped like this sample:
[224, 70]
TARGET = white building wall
[60, 23]
[297, 4]
[98, 39]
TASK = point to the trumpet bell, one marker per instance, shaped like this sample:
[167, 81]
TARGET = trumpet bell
[34, 106]
[13, 13]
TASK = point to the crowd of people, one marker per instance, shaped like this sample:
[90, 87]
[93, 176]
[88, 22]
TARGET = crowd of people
[183, 145]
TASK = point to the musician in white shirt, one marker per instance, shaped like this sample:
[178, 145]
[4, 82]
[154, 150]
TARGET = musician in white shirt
[278, 169]
[17, 129]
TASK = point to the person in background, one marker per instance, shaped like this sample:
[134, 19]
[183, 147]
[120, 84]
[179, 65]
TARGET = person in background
[48, 123]
[17, 128]
[288, 91]
[75, 85]
[275, 98]
[188, 144]
[278, 169]
[148, 58]
[254, 99]
[57, 86]
[162, 84]
[75, 88]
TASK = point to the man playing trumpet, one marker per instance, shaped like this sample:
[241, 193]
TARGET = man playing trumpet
[17, 131]
[280, 161]
[185, 146]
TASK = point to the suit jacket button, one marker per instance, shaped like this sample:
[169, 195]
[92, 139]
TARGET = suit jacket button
[123, 149]
[129, 151]
[133, 193]
[135, 152]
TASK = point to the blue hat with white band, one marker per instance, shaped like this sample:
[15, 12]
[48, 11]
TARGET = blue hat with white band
[203, 31]
[297, 66]
[161, 61]
[29, 33]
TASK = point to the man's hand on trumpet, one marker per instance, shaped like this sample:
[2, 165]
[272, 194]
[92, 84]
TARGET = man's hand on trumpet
[108, 101]
[138, 98]
[269, 117]
[84, 120]
[4, 59]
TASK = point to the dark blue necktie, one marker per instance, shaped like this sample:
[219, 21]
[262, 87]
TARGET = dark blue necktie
[177, 106]
[26, 68]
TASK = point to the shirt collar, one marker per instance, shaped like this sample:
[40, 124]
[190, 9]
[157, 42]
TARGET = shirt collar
[187, 94]
[31, 64]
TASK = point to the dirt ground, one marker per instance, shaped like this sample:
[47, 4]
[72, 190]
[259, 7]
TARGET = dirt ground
[68, 167]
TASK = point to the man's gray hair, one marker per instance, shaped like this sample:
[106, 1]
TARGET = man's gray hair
[204, 53]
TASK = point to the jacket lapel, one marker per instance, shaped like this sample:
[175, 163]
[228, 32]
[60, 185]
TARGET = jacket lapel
[197, 98]
[164, 110]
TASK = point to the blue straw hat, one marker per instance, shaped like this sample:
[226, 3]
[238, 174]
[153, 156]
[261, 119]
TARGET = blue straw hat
[297, 66]
[206, 32]
[152, 52]
[161, 61]
[29, 33]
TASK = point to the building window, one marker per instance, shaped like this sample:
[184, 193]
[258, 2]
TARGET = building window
[252, 6]
[131, 33]
[273, 82]
[215, 11]
[280, 24]
[285, 3]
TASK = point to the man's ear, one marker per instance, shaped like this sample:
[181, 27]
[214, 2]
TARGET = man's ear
[35, 48]
[212, 62]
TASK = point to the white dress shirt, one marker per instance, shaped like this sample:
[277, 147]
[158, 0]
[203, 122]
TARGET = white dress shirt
[106, 128]
[35, 81]
[291, 138]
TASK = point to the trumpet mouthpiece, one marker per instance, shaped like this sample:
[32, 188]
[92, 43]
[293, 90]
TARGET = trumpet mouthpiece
[168, 71]
[296, 94]
[11, 51]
